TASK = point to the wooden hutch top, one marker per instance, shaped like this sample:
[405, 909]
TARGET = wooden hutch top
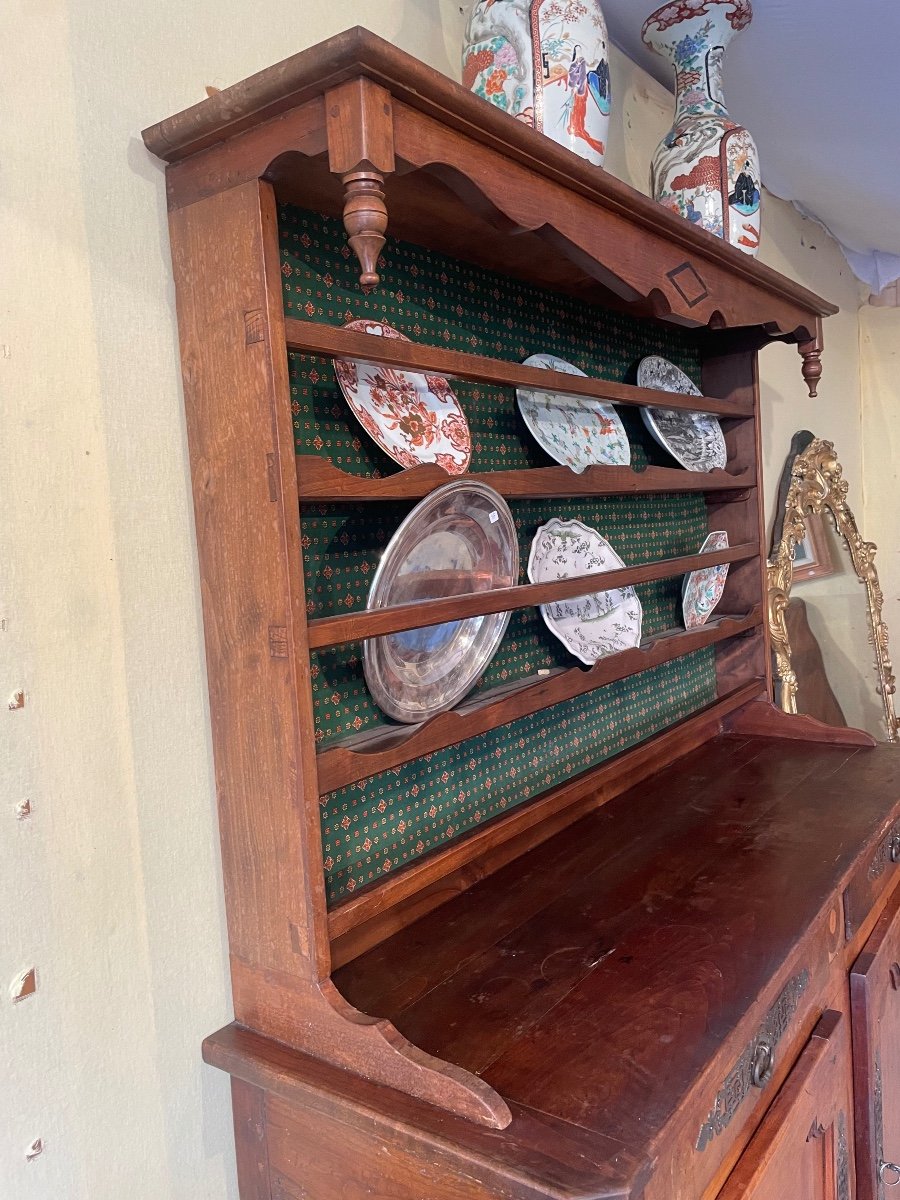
[650, 913]
[519, 203]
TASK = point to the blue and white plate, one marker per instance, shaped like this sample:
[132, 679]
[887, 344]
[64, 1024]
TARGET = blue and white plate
[695, 439]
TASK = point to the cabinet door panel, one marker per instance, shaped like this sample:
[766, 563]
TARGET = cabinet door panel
[802, 1147]
[875, 1010]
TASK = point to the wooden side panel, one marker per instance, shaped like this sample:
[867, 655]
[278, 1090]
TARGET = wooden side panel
[735, 376]
[315, 1158]
[803, 1149]
[875, 1000]
[231, 326]
[249, 1107]
[225, 253]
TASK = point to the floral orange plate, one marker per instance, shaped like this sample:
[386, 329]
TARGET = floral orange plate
[414, 418]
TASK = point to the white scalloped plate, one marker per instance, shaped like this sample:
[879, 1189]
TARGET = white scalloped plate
[598, 624]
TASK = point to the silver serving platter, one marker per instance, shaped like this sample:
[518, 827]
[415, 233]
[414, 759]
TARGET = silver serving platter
[460, 539]
[695, 439]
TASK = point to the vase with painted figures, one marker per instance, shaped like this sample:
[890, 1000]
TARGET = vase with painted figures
[545, 62]
[706, 168]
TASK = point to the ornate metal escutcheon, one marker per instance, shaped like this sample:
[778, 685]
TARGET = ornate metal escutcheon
[756, 1065]
[888, 852]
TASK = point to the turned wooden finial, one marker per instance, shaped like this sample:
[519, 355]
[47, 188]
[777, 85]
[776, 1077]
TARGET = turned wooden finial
[812, 365]
[365, 219]
[360, 125]
[811, 353]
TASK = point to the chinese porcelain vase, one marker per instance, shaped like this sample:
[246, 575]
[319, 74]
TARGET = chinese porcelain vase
[706, 168]
[545, 62]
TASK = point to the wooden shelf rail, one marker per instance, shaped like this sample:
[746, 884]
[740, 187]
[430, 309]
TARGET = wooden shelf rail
[365, 754]
[310, 337]
[336, 631]
[320, 481]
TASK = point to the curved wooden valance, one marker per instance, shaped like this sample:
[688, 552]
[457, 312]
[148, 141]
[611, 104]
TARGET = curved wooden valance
[365, 130]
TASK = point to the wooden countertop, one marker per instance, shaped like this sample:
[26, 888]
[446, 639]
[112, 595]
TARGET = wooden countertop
[606, 982]
[596, 978]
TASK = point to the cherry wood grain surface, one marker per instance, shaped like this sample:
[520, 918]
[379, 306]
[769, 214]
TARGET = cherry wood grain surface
[374, 913]
[368, 1140]
[334, 342]
[596, 978]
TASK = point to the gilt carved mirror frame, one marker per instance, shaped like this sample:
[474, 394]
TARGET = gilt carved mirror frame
[813, 482]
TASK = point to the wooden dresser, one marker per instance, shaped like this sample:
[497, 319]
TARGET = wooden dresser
[623, 931]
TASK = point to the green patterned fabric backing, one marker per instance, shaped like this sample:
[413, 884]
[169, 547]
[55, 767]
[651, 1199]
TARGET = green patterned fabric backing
[381, 824]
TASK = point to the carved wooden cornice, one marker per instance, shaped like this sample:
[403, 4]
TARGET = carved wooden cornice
[357, 110]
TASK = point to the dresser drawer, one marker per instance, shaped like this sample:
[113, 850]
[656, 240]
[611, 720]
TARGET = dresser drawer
[873, 877]
[719, 1118]
[875, 1010]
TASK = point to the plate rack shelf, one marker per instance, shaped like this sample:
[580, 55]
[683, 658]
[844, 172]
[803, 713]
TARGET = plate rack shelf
[355, 128]
[360, 756]
[318, 480]
[351, 759]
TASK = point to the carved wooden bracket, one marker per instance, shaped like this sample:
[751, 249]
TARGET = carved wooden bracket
[312, 1016]
[360, 127]
[811, 353]
[761, 718]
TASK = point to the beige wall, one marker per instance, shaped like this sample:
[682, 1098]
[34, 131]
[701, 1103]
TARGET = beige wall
[112, 888]
[880, 360]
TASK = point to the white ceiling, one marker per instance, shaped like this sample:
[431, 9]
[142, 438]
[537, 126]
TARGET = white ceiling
[817, 82]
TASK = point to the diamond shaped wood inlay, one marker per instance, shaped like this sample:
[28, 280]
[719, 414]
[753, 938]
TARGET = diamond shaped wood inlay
[688, 284]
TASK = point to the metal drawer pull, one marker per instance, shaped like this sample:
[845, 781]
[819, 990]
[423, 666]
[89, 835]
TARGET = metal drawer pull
[894, 852]
[762, 1065]
[888, 1168]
